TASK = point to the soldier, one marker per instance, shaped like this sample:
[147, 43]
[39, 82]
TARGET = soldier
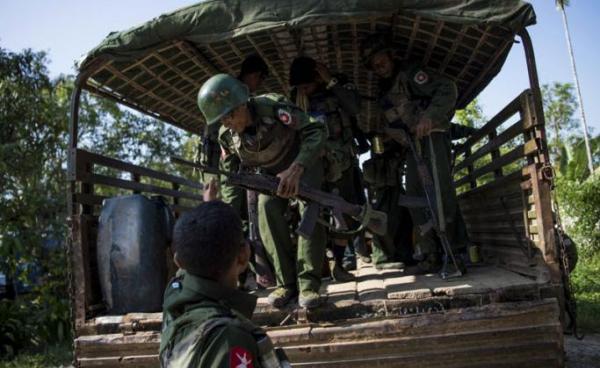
[425, 102]
[270, 133]
[253, 72]
[206, 321]
[335, 102]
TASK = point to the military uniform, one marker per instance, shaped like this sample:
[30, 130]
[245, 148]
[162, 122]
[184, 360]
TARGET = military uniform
[230, 194]
[336, 108]
[383, 174]
[410, 94]
[208, 325]
[279, 135]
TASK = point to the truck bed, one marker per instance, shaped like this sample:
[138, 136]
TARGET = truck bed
[394, 292]
[489, 317]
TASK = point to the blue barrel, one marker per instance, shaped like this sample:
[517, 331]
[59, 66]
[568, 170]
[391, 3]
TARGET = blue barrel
[133, 235]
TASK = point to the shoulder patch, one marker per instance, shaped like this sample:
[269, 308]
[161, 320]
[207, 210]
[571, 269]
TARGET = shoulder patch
[240, 357]
[421, 77]
[284, 116]
[349, 86]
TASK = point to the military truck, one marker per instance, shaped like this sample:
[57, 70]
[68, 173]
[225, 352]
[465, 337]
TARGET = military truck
[508, 311]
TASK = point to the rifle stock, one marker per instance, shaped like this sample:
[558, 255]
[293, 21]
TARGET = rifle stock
[375, 221]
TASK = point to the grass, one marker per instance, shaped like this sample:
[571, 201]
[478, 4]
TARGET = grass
[53, 356]
[586, 285]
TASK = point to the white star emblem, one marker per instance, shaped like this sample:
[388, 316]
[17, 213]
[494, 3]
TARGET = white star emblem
[244, 361]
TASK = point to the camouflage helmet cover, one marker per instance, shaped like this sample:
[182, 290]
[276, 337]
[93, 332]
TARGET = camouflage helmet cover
[220, 95]
[374, 44]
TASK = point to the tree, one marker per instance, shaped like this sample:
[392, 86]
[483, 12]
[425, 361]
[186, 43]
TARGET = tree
[559, 107]
[471, 115]
[34, 113]
[561, 4]
[577, 169]
[32, 182]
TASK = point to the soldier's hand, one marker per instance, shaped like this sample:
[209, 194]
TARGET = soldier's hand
[423, 128]
[211, 191]
[289, 180]
[323, 72]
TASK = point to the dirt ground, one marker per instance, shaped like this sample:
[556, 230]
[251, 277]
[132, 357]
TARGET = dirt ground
[583, 353]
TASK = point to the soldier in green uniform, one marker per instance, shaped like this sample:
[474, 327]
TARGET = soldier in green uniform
[206, 320]
[335, 102]
[425, 102]
[253, 72]
[270, 133]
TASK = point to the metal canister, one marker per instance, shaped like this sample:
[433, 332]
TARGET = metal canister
[377, 144]
[474, 254]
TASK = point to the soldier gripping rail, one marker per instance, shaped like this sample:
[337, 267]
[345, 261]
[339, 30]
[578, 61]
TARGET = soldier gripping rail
[424, 102]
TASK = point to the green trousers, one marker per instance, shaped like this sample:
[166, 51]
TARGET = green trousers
[231, 194]
[298, 267]
[396, 244]
[436, 148]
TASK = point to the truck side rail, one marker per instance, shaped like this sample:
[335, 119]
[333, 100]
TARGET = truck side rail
[502, 178]
[97, 177]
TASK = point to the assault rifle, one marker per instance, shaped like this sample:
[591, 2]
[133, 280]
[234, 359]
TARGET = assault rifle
[432, 200]
[375, 221]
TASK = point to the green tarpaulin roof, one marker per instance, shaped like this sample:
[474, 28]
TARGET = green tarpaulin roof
[159, 66]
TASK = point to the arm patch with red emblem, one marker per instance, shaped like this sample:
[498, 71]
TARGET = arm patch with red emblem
[284, 116]
[421, 77]
[239, 357]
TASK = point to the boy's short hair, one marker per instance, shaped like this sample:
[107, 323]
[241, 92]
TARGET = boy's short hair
[207, 239]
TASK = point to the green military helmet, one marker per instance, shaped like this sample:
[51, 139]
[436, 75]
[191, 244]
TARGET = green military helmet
[373, 45]
[220, 95]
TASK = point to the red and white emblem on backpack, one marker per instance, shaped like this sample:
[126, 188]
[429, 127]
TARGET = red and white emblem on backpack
[240, 358]
[421, 77]
[284, 116]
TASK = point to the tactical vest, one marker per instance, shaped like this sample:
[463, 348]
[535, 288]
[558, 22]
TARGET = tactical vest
[269, 143]
[340, 153]
[398, 102]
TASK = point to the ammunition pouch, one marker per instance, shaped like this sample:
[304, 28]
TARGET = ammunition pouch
[336, 161]
[383, 171]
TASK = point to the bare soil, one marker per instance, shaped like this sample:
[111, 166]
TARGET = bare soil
[583, 353]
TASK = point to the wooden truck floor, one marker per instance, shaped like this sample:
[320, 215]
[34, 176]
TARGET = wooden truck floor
[491, 317]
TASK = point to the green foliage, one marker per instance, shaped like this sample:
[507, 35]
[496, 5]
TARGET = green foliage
[559, 107]
[580, 206]
[34, 113]
[16, 329]
[471, 116]
[53, 356]
[586, 286]
[561, 4]
[32, 182]
[576, 163]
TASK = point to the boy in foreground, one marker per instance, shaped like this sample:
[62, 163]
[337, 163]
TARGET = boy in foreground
[206, 320]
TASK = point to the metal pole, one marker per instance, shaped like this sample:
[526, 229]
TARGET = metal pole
[579, 98]
[534, 85]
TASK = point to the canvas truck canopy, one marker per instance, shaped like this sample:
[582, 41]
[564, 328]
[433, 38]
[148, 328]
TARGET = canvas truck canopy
[158, 67]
